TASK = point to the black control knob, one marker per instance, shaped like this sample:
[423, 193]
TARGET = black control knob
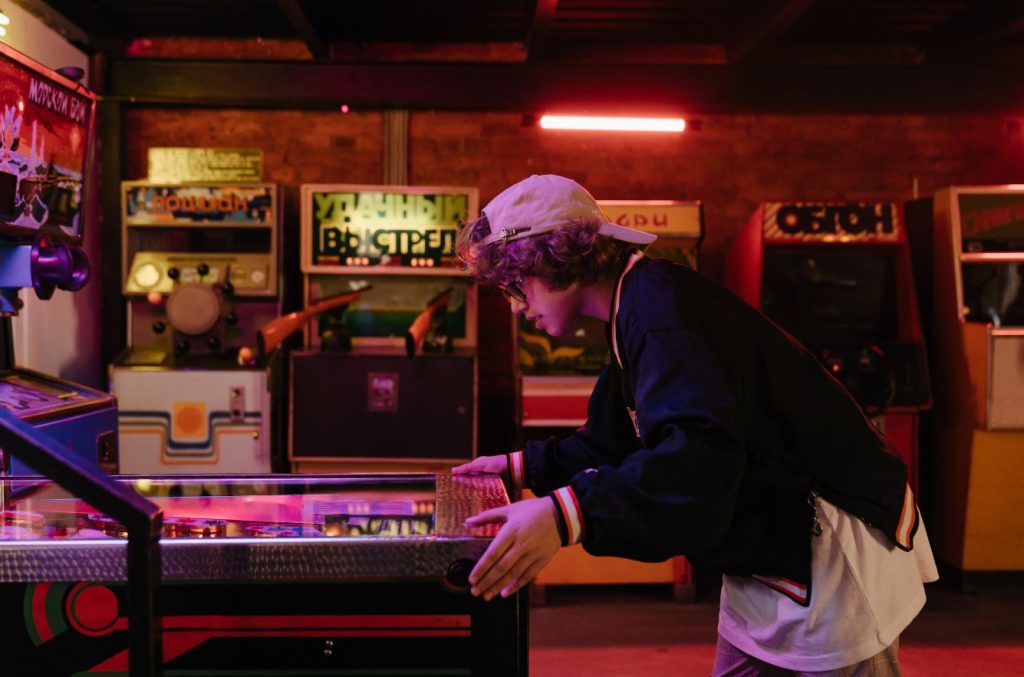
[159, 327]
[231, 317]
[173, 273]
[181, 347]
[227, 289]
[213, 342]
[458, 573]
[202, 269]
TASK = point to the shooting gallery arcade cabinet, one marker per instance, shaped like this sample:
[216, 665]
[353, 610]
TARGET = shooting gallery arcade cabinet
[389, 381]
[200, 265]
[46, 134]
[977, 236]
[837, 276]
[557, 375]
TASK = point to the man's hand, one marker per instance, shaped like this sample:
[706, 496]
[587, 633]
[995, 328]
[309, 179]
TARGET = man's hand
[483, 464]
[525, 543]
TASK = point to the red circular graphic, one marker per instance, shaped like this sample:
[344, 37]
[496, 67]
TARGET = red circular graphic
[93, 609]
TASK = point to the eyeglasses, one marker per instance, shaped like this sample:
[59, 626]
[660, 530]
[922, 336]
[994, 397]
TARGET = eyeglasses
[513, 291]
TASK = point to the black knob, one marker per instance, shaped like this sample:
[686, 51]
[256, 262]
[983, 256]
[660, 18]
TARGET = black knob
[458, 573]
[159, 327]
[202, 269]
[231, 317]
[227, 288]
[173, 273]
[213, 342]
[181, 347]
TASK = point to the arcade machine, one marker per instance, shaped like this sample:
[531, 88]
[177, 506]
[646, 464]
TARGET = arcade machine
[46, 131]
[973, 240]
[838, 277]
[390, 381]
[263, 575]
[557, 375]
[201, 277]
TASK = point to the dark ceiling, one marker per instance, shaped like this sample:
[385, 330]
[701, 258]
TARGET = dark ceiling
[521, 54]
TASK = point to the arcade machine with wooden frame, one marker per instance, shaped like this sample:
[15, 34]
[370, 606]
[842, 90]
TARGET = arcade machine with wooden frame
[976, 235]
[557, 376]
[838, 277]
[201, 276]
[388, 382]
[46, 138]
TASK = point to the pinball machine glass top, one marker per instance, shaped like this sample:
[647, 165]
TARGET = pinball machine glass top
[235, 507]
[46, 138]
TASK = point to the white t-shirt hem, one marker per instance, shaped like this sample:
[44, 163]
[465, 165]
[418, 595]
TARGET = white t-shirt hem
[864, 593]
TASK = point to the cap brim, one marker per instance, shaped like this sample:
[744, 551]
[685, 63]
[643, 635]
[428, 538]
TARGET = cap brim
[626, 234]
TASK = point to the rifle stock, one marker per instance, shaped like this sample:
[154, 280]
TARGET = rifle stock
[418, 329]
[273, 333]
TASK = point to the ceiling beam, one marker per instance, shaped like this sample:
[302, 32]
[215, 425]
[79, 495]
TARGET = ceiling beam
[766, 30]
[578, 88]
[537, 36]
[985, 26]
[298, 18]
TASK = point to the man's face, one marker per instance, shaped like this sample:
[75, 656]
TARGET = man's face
[552, 311]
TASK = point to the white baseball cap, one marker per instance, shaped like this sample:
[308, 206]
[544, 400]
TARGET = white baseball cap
[543, 203]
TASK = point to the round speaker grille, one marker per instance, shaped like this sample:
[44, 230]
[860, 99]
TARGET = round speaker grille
[193, 309]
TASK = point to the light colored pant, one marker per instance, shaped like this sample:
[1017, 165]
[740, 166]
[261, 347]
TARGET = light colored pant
[731, 662]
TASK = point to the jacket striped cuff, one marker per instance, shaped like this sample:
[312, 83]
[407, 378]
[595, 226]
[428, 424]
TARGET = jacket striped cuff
[517, 477]
[569, 507]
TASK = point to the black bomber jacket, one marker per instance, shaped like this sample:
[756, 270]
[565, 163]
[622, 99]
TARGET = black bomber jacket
[738, 428]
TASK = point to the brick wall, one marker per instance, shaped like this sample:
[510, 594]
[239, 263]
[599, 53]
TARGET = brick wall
[731, 163]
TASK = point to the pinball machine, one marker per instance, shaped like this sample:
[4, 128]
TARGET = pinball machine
[264, 575]
[556, 376]
[838, 277]
[46, 132]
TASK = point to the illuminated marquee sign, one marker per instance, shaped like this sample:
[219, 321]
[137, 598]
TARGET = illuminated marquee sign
[46, 128]
[992, 221]
[153, 204]
[383, 225]
[831, 221]
[661, 217]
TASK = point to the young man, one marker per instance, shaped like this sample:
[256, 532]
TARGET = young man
[712, 434]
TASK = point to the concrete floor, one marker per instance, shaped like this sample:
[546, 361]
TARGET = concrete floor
[615, 631]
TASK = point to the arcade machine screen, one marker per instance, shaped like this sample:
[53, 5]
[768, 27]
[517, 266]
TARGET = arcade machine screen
[842, 304]
[825, 296]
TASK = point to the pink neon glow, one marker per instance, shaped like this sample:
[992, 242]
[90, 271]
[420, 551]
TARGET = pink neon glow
[613, 124]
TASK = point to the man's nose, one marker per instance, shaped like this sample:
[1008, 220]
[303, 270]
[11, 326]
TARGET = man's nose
[517, 305]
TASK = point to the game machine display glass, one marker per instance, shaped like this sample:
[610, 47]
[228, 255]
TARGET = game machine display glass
[837, 277]
[46, 138]
[201, 277]
[282, 574]
[971, 241]
[389, 379]
[556, 376]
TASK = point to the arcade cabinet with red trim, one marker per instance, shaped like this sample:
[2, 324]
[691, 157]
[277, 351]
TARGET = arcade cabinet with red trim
[837, 276]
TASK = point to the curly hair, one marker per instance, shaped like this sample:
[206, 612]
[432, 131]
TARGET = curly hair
[573, 253]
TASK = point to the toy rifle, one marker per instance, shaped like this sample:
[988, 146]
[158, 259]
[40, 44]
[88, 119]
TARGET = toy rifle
[418, 328]
[272, 334]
